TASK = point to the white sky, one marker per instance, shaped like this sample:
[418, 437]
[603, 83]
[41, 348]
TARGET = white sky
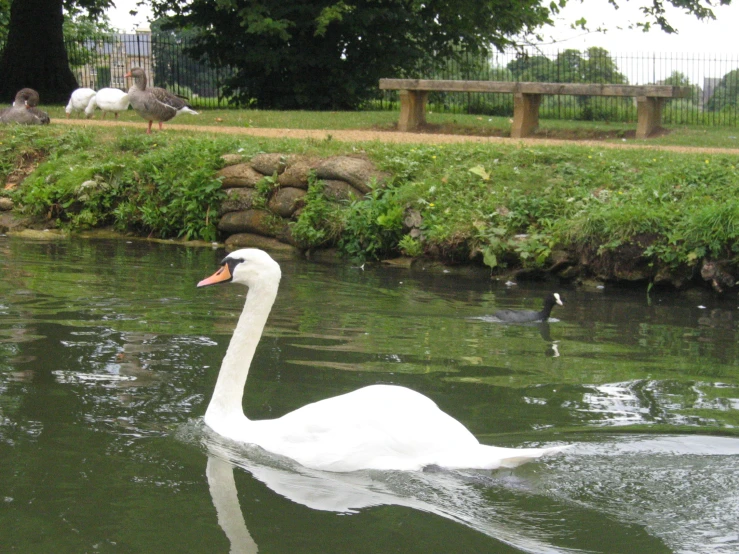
[710, 36]
[695, 39]
[123, 21]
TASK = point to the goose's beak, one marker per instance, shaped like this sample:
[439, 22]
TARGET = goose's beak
[127, 74]
[223, 275]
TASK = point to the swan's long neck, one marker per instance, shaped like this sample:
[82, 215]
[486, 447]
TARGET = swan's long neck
[226, 403]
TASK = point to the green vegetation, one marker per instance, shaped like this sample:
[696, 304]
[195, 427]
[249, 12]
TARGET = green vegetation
[132, 181]
[330, 55]
[499, 204]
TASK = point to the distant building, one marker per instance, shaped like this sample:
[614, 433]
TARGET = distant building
[113, 57]
[709, 85]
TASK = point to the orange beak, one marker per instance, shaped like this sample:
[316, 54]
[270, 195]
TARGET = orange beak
[127, 74]
[223, 275]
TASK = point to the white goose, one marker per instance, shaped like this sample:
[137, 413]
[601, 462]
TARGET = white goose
[79, 100]
[383, 427]
[108, 100]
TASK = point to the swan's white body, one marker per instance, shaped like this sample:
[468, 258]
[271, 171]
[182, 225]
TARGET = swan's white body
[382, 427]
[108, 100]
[79, 100]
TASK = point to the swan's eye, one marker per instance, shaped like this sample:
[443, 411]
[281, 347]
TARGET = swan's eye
[232, 261]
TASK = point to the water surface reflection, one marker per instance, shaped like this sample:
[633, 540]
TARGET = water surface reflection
[108, 355]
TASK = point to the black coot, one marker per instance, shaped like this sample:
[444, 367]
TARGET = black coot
[523, 316]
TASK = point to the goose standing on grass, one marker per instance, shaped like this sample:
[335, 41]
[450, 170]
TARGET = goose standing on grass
[24, 110]
[382, 427]
[108, 100]
[154, 103]
[526, 316]
[79, 100]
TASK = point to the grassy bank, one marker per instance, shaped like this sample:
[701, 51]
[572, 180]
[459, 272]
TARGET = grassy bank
[502, 205]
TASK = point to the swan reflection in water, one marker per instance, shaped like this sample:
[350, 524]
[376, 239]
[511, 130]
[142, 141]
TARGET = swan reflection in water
[444, 493]
[590, 499]
[222, 487]
[509, 505]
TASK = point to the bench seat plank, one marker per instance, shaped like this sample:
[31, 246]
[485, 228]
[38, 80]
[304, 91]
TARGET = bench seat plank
[575, 89]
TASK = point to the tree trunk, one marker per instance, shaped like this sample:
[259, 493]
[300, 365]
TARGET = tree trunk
[34, 54]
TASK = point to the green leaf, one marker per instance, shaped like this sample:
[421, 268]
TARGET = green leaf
[488, 258]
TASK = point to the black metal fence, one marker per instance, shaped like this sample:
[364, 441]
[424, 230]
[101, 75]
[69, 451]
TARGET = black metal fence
[713, 78]
[165, 58]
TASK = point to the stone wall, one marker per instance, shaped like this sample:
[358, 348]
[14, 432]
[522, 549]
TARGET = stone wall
[247, 219]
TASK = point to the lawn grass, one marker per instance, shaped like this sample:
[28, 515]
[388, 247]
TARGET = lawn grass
[449, 123]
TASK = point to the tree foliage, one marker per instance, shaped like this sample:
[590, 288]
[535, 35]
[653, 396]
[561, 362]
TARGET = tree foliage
[317, 54]
[323, 54]
[82, 33]
[570, 66]
[4, 20]
[726, 93]
[175, 69]
[679, 79]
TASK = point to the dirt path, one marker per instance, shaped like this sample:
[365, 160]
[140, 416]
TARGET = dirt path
[390, 136]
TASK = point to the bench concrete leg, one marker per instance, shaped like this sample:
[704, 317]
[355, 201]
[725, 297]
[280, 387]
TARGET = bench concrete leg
[525, 114]
[412, 109]
[648, 115]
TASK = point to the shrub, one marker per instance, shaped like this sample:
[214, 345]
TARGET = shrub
[320, 221]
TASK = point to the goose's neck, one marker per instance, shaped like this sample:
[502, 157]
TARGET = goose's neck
[139, 83]
[226, 403]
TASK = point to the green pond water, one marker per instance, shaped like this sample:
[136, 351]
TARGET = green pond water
[108, 355]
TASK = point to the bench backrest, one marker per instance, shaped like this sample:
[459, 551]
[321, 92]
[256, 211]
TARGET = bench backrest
[576, 89]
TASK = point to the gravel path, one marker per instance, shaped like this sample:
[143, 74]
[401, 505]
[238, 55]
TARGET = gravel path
[388, 136]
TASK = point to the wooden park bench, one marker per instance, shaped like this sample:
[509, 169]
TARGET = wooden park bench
[526, 99]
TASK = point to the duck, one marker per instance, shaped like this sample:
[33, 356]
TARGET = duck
[108, 100]
[526, 316]
[376, 427]
[154, 103]
[79, 100]
[24, 110]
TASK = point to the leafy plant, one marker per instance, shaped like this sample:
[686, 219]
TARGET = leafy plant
[373, 226]
[320, 221]
[410, 246]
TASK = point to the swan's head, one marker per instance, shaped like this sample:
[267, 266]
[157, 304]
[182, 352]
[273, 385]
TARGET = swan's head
[248, 266]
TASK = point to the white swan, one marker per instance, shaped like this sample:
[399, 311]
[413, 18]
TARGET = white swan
[382, 427]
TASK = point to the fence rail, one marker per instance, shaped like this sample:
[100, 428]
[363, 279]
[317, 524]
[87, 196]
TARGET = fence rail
[714, 78]
[165, 58]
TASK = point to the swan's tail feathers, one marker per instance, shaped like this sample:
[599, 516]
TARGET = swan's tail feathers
[521, 456]
[492, 457]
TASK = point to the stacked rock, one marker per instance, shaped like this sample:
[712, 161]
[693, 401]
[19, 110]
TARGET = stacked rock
[247, 220]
